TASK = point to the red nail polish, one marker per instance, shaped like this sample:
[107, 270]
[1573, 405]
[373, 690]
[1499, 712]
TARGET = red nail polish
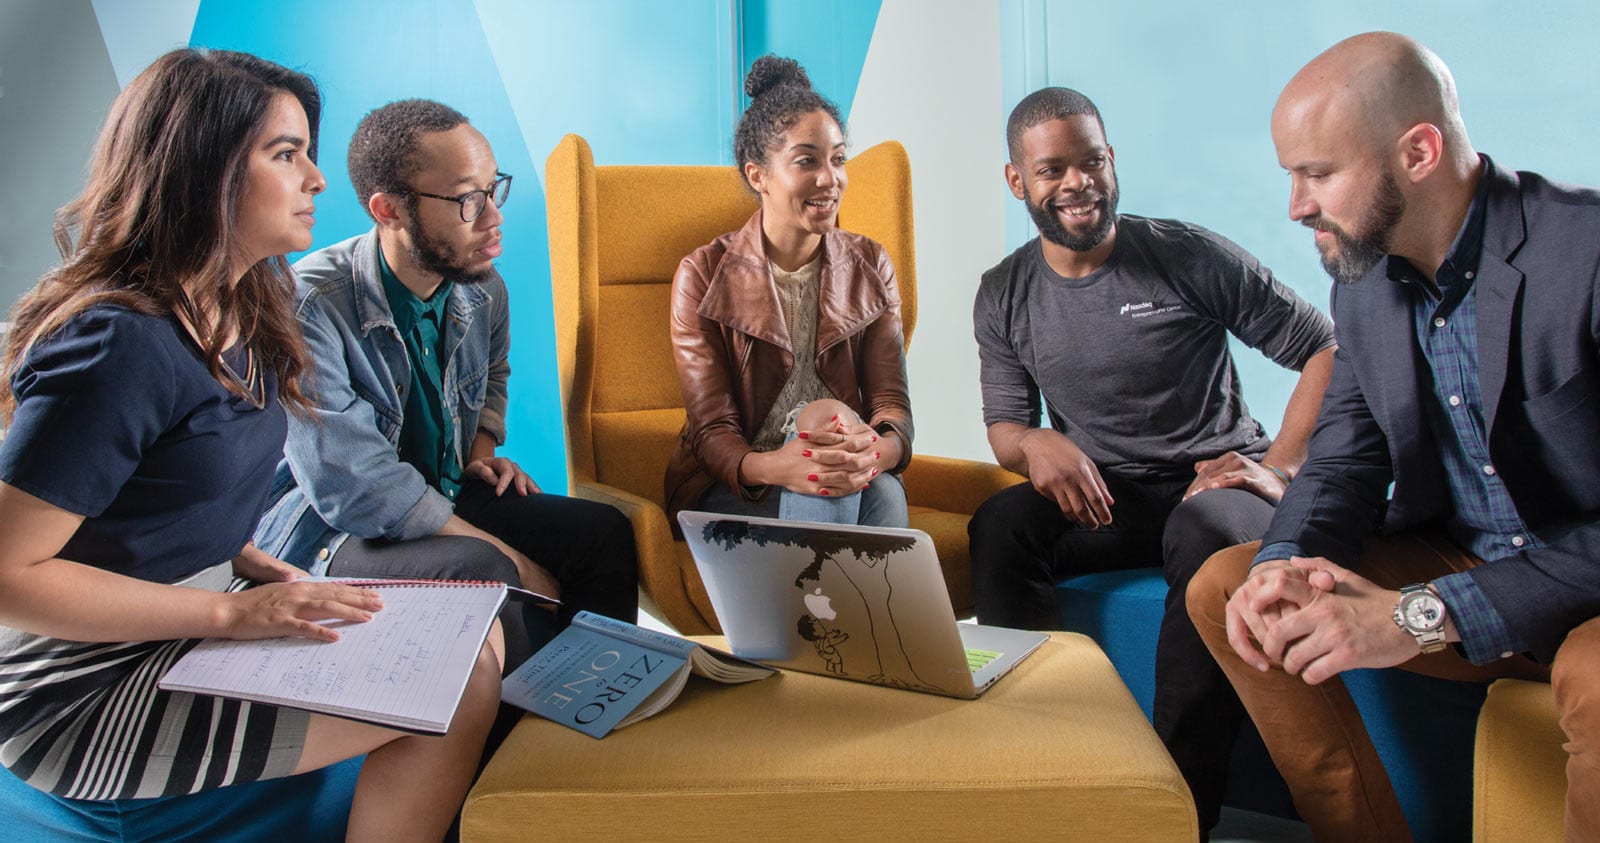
[874, 472]
[876, 455]
[835, 417]
[811, 477]
[823, 493]
[806, 452]
[803, 435]
[874, 437]
[863, 488]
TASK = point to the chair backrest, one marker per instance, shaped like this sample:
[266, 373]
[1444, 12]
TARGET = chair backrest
[617, 234]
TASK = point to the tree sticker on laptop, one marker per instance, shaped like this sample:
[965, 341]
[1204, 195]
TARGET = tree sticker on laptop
[874, 551]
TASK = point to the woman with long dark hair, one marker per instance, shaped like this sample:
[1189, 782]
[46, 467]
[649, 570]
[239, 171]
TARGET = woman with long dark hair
[147, 381]
[787, 335]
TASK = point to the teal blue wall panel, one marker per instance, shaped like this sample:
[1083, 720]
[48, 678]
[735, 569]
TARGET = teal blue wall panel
[828, 37]
[365, 53]
[644, 83]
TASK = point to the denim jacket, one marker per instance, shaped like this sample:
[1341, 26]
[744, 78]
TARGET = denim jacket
[341, 473]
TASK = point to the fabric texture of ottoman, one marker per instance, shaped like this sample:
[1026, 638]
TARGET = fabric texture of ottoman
[1057, 749]
[1520, 772]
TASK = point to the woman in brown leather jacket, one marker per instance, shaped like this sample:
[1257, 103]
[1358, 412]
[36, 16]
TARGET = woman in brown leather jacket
[787, 335]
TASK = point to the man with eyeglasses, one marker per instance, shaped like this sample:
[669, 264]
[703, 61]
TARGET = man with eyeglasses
[393, 472]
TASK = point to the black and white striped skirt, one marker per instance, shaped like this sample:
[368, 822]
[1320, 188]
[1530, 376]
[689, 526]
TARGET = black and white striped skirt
[86, 721]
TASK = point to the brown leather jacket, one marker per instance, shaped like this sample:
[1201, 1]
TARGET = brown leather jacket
[733, 354]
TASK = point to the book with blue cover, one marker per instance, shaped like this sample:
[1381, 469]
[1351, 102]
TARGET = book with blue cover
[601, 674]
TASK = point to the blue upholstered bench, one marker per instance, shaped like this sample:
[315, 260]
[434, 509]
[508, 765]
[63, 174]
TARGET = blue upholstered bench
[1427, 748]
[308, 808]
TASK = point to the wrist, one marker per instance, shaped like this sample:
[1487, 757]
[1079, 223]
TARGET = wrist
[1281, 474]
[889, 450]
[220, 616]
[1421, 613]
[1029, 439]
[751, 471]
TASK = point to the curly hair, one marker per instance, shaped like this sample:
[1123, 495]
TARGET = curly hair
[780, 94]
[1043, 105]
[157, 222]
[383, 150]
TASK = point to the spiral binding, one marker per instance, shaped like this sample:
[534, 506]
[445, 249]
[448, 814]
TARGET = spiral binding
[421, 583]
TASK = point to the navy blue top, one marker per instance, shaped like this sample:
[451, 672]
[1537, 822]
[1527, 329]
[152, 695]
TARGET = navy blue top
[119, 420]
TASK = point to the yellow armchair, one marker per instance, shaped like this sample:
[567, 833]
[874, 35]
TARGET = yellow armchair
[617, 234]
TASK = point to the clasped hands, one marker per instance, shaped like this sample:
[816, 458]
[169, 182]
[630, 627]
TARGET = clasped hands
[838, 458]
[1315, 619]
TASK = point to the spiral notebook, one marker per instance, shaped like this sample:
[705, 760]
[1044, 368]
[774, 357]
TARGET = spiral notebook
[406, 668]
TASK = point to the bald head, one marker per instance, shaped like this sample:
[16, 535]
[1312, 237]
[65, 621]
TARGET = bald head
[1375, 87]
[1379, 162]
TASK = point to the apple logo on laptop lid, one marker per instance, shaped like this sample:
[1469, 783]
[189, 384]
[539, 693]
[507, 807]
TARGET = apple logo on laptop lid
[818, 604]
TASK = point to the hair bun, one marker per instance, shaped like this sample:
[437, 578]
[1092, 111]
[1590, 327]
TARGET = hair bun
[770, 72]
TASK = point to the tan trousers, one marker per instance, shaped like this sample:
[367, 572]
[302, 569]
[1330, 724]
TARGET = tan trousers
[1315, 734]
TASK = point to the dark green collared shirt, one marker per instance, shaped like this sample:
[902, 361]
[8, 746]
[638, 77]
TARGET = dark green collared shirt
[425, 435]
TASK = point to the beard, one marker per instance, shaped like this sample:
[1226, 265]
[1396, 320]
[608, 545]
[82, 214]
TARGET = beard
[433, 255]
[1051, 228]
[1354, 253]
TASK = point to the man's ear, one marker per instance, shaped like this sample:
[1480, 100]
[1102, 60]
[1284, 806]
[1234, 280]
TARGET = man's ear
[1014, 181]
[1420, 150]
[385, 208]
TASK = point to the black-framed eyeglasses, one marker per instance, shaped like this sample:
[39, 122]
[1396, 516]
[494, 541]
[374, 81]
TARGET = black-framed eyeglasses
[474, 201]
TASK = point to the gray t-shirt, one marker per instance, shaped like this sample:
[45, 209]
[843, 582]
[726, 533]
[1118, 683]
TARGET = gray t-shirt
[1132, 360]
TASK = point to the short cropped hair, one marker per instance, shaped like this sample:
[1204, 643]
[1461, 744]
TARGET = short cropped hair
[383, 150]
[1043, 105]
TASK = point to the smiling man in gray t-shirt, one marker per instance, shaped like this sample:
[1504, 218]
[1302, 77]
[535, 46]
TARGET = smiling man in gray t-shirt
[1121, 323]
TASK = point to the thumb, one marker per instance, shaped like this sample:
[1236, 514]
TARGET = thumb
[1322, 581]
[1317, 564]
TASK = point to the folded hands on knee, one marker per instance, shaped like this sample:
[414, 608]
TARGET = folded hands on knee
[1315, 619]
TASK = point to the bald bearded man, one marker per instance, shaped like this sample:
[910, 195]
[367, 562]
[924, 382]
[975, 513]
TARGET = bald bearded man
[1467, 312]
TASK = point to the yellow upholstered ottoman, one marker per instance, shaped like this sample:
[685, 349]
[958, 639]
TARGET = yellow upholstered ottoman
[1519, 768]
[1058, 749]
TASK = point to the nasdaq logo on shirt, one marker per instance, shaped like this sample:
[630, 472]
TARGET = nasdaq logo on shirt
[1145, 308]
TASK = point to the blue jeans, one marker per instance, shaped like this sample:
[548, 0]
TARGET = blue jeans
[883, 504]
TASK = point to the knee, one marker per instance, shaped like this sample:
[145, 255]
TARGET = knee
[816, 415]
[468, 558]
[1203, 525]
[613, 535]
[1577, 685]
[610, 523]
[1001, 514]
[616, 530]
[1212, 585]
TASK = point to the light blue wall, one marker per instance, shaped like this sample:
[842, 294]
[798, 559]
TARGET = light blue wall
[370, 52]
[828, 37]
[645, 83]
[1186, 91]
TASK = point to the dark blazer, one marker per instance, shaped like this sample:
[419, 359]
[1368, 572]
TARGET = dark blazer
[1539, 370]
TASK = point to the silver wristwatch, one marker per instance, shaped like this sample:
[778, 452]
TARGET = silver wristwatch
[1421, 613]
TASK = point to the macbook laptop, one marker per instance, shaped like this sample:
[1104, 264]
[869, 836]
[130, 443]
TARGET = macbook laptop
[862, 603]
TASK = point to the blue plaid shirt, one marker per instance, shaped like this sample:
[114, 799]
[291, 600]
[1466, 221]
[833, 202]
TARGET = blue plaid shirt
[1484, 518]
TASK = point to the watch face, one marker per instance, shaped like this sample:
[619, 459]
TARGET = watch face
[1423, 612]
